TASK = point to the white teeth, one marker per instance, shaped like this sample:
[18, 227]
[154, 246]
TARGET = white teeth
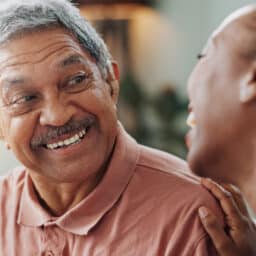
[191, 120]
[82, 133]
[66, 142]
[61, 143]
[74, 139]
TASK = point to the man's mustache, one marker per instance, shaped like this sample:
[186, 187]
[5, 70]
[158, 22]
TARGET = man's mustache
[72, 126]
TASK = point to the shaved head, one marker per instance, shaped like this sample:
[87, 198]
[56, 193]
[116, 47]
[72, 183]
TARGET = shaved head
[240, 28]
[247, 11]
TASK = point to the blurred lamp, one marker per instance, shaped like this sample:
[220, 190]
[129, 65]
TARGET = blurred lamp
[112, 9]
[109, 2]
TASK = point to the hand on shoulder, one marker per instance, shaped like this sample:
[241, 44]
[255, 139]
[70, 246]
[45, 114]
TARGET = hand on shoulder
[239, 236]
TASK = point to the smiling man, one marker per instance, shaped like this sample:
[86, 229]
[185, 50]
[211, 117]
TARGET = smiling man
[222, 91]
[86, 188]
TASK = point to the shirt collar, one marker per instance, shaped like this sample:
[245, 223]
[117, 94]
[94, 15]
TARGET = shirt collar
[84, 216]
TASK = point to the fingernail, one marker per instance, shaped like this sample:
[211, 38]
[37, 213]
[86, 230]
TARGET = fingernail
[203, 212]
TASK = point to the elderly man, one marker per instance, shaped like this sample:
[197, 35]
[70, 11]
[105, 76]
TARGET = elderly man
[222, 91]
[86, 187]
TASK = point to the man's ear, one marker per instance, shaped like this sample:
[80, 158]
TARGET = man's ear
[113, 80]
[248, 88]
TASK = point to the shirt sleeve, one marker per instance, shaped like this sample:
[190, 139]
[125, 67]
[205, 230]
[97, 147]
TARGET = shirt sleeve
[205, 247]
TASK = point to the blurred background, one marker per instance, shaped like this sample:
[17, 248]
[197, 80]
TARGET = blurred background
[156, 43]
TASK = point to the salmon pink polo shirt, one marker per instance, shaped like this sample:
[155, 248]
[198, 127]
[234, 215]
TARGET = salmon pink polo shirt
[145, 205]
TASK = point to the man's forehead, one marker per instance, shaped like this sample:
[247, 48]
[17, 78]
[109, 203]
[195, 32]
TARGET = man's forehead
[16, 76]
[54, 49]
[37, 47]
[59, 58]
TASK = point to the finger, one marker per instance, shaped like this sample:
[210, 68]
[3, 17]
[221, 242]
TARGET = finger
[227, 202]
[221, 241]
[238, 197]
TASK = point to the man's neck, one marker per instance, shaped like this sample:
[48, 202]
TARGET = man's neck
[57, 198]
[248, 190]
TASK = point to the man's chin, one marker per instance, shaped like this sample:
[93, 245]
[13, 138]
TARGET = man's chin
[196, 162]
[206, 166]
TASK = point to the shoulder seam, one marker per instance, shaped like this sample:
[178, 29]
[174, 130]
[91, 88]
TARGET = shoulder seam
[160, 170]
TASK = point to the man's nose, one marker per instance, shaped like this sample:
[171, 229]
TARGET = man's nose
[56, 113]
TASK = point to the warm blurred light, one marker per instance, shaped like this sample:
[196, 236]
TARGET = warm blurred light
[152, 41]
[110, 2]
[113, 11]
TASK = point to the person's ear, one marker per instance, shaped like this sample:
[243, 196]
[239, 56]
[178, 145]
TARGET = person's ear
[113, 80]
[248, 88]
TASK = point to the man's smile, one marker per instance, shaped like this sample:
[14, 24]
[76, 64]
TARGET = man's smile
[71, 144]
[191, 123]
[191, 120]
[60, 137]
[78, 137]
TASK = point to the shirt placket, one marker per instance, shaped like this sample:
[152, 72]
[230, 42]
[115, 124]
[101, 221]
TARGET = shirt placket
[53, 242]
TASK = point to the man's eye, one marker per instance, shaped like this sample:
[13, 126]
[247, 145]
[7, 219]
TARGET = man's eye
[77, 80]
[78, 83]
[200, 56]
[21, 104]
[23, 99]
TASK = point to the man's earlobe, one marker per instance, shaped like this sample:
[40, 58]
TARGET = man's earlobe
[247, 92]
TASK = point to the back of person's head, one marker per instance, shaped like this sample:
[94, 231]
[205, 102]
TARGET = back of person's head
[18, 17]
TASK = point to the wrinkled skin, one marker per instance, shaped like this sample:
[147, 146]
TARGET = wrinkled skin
[50, 90]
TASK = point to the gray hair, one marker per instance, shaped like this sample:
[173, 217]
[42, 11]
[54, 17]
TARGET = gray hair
[20, 16]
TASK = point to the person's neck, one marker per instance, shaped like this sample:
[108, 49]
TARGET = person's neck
[248, 189]
[57, 198]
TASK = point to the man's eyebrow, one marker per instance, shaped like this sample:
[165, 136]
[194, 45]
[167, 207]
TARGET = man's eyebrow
[9, 82]
[71, 60]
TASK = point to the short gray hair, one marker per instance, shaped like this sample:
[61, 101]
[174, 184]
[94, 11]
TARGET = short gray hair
[19, 16]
